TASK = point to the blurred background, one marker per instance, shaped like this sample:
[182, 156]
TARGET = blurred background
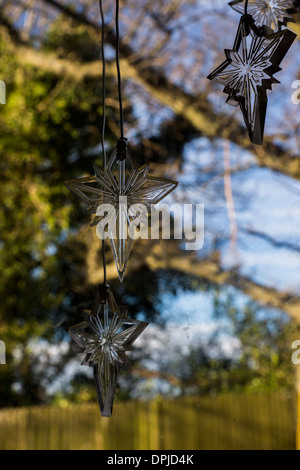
[214, 368]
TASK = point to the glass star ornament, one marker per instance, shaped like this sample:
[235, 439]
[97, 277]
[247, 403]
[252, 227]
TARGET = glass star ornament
[271, 13]
[127, 194]
[247, 73]
[106, 336]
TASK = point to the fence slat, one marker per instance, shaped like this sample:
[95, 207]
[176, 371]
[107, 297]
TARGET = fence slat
[237, 422]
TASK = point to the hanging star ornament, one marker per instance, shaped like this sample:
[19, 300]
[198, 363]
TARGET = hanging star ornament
[106, 336]
[247, 73]
[271, 13]
[120, 196]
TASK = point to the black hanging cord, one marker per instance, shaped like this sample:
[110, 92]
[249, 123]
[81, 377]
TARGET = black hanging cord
[104, 263]
[246, 7]
[103, 121]
[118, 68]
[103, 83]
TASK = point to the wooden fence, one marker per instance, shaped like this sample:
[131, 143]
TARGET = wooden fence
[238, 422]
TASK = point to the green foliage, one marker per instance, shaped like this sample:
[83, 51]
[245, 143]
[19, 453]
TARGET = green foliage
[46, 127]
[72, 40]
[261, 361]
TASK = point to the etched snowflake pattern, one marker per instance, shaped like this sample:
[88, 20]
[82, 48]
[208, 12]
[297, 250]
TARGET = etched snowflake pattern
[130, 192]
[248, 70]
[271, 13]
[105, 337]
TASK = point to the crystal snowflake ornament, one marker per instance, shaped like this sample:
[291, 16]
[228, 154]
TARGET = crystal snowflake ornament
[106, 336]
[247, 73]
[271, 13]
[127, 194]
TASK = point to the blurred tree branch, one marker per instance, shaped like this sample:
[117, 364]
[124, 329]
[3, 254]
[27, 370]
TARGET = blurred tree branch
[196, 110]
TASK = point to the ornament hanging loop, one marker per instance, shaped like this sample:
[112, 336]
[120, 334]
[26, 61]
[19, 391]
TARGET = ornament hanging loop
[122, 146]
[247, 17]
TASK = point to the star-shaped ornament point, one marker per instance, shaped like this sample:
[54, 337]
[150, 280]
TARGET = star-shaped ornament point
[248, 71]
[105, 337]
[126, 189]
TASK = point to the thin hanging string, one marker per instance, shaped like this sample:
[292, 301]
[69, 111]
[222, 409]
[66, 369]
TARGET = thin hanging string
[246, 7]
[103, 121]
[103, 84]
[104, 262]
[118, 68]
